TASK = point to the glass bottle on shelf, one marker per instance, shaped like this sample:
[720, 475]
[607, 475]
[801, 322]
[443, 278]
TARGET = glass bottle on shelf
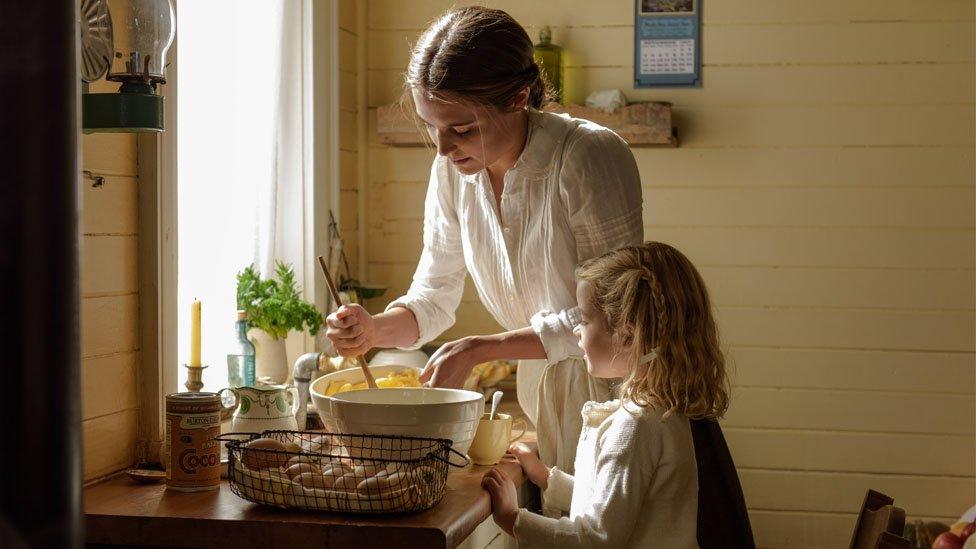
[549, 57]
[240, 361]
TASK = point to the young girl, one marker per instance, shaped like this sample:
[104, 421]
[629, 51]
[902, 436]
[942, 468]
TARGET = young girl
[646, 317]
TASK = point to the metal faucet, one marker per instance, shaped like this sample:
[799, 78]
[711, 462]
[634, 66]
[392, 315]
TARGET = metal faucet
[305, 367]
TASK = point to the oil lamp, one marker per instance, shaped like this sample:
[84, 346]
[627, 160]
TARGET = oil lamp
[141, 33]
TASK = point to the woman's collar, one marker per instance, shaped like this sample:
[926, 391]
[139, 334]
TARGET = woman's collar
[536, 158]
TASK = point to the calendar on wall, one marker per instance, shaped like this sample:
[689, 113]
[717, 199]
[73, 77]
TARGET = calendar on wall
[667, 43]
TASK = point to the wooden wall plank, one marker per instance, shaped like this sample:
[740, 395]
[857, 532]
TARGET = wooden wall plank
[814, 43]
[111, 208]
[347, 131]
[108, 384]
[109, 325]
[843, 492]
[852, 452]
[347, 51]
[824, 126]
[109, 265]
[886, 370]
[789, 530]
[807, 530]
[351, 246]
[821, 247]
[348, 170]
[779, 11]
[398, 200]
[113, 153]
[109, 443]
[846, 288]
[348, 210]
[813, 207]
[347, 14]
[388, 14]
[797, 167]
[848, 328]
[879, 42]
[852, 411]
[347, 91]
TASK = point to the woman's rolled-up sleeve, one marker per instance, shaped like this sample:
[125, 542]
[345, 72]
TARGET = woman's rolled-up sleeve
[438, 282]
[601, 190]
[552, 329]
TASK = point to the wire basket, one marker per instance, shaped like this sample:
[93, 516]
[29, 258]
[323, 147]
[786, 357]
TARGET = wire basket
[339, 472]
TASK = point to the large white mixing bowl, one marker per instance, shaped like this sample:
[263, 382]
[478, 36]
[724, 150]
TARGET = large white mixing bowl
[417, 412]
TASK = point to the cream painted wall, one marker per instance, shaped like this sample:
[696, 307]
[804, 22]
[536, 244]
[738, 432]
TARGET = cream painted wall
[348, 214]
[825, 188]
[110, 302]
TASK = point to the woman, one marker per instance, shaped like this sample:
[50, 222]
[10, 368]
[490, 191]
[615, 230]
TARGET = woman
[516, 199]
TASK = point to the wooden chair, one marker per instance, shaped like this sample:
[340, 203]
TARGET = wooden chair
[879, 524]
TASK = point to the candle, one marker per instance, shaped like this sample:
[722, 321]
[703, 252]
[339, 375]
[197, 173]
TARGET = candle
[195, 333]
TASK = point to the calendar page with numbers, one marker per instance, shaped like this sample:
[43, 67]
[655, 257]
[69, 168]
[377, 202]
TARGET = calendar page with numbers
[667, 43]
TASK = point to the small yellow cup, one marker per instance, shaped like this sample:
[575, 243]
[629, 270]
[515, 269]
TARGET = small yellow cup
[492, 439]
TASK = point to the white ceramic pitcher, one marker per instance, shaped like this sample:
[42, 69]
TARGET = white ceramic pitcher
[263, 408]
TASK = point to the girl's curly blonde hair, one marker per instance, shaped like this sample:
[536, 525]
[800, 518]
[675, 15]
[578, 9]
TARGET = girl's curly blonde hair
[656, 302]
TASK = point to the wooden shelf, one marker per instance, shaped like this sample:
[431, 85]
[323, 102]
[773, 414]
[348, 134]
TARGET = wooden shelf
[640, 124]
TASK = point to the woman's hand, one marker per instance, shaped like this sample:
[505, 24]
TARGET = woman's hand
[504, 500]
[528, 458]
[450, 365]
[351, 330]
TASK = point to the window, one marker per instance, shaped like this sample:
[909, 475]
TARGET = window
[229, 57]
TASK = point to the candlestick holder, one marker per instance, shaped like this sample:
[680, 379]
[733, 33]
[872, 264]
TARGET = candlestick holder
[194, 377]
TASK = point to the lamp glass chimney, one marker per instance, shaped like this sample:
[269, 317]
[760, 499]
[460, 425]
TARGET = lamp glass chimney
[144, 32]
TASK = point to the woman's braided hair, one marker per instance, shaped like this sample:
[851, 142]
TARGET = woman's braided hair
[656, 303]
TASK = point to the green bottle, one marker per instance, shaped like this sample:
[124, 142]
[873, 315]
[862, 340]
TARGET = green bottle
[550, 57]
[240, 362]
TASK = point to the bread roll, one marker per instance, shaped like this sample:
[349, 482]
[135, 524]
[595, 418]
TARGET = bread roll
[346, 483]
[297, 469]
[381, 485]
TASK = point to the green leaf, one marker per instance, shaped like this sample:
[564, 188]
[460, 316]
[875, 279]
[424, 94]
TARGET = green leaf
[275, 305]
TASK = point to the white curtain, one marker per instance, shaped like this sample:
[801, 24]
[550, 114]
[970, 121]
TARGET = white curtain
[279, 232]
[232, 123]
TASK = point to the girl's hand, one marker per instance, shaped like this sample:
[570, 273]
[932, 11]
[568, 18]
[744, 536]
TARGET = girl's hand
[450, 365]
[528, 458]
[351, 330]
[504, 501]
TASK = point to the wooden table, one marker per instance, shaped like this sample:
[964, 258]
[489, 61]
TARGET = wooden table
[121, 512]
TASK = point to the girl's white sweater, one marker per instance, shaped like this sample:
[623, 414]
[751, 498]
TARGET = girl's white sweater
[636, 484]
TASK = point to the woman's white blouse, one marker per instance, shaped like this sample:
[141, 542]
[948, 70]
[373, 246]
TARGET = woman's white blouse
[573, 194]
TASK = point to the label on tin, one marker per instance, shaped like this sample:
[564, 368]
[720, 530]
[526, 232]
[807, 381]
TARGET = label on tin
[194, 456]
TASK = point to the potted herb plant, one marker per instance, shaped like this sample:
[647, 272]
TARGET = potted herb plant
[274, 307]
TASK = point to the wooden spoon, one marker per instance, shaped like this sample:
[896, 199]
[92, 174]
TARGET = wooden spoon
[370, 382]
